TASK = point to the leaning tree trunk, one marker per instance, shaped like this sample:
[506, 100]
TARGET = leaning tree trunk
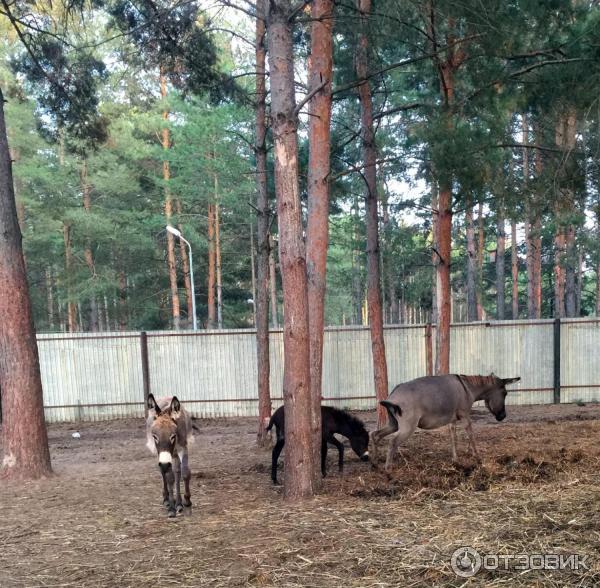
[472, 304]
[500, 249]
[171, 256]
[261, 302]
[369, 155]
[24, 437]
[296, 380]
[320, 72]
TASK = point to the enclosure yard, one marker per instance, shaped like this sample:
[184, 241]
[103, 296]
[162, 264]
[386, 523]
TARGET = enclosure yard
[100, 522]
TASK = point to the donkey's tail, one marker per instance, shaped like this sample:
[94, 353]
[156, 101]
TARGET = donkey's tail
[393, 409]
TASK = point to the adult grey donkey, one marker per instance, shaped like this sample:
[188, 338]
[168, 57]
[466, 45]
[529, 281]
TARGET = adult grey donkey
[435, 401]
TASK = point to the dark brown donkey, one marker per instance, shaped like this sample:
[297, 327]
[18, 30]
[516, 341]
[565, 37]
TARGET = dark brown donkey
[435, 401]
[169, 430]
[333, 421]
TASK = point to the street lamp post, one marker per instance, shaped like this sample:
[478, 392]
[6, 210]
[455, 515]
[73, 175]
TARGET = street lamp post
[178, 234]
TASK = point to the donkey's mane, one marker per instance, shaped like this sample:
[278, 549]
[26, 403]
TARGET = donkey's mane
[479, 381]
[355, 424]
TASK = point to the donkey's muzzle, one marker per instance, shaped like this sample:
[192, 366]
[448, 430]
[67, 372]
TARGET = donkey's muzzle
[501, 416]
[165, 467]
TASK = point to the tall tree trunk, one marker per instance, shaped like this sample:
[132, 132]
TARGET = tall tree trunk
[261, 302]
[24, 437]
[480, 250]
[296, 381]
[369, 156]
[171, 256]
[579, 285]
[320, 71]
[472, 310]
[273, 284]
[500, 250]
[530, 212]
[218, 263]
[87, 253]
[212, 263]
[389, 277]
[514, 264]
[71, 306]
[253, 273]
[185, 262]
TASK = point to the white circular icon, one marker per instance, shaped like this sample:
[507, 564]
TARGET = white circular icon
[465, 562]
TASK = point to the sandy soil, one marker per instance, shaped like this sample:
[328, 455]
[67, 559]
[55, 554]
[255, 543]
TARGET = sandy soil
[100, 522]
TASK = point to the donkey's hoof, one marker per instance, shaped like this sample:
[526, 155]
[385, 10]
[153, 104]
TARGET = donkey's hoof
[179, 508]
[166, 502]
[171, 514]
[187, 502]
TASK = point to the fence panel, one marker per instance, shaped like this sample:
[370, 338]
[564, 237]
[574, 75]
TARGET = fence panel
[93, 378]
[507, 348]
[579, 365]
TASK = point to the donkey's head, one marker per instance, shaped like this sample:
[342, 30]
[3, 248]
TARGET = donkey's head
[495, 396]
[163, 429]
[359, 439]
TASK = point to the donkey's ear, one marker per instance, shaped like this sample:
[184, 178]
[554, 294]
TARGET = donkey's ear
[506, 381]
[152, 405]
[175, 407]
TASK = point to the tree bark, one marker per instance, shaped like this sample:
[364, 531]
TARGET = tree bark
[212, 263]
[434, 243]
[320, 71]
[571, 256]
[500, 256]
[25, 453]
[357, 286]
[261, 302]
[514, 264]
[472, 262]
[171, 256]
[296, 381]
[443, 294]
[369, 155]
[273, 284]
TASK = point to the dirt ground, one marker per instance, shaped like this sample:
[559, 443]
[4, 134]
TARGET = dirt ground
[100, 521]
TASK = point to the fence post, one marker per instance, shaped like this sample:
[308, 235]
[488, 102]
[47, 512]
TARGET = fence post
[145, 369]
[556, 361]
[428, 350]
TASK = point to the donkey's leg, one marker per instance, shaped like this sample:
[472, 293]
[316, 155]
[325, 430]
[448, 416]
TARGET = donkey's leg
[472, 445]
[406, 429]
[186, 475]
[453, 441]
[165, 488]
[275, 456]
[340, 448]
[376, 436]
[170, 476]
[177, 470]
[324, 457]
